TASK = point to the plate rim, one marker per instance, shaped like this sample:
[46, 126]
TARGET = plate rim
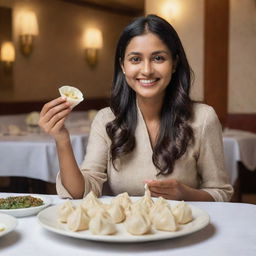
[14, 223]
[162, 235]
[24, 212]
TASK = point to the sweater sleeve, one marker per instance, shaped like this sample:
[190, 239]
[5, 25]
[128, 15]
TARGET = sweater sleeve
[94, 165]
[214, 178]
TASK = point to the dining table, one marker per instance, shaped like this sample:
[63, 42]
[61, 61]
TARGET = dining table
[239, 146]
[230, 232]
[32, 153]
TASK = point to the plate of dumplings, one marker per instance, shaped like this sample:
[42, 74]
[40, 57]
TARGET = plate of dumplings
[123, 218]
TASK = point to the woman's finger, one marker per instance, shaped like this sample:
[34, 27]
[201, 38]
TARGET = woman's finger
[51, 104]
[170, 183]
[49, 125]
[54, 111]
[59, 124]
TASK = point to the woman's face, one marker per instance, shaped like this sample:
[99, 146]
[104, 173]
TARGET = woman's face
[148, 66]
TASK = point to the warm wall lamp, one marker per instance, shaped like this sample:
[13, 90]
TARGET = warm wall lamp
[93, 42]
[7, 55]
[28, 30]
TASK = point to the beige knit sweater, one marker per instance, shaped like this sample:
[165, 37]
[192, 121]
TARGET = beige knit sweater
[201, 167]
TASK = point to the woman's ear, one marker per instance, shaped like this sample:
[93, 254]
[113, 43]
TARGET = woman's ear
[122, 65]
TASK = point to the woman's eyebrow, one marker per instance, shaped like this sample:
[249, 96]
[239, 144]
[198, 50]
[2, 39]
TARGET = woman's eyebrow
[153, 53]
[133, 53]
[159, 52]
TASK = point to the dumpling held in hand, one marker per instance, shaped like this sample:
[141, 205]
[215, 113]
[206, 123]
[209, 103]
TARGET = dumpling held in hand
[73, 95]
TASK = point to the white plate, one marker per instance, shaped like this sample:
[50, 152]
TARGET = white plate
[23, 212]
[8, 222]
[48, 218]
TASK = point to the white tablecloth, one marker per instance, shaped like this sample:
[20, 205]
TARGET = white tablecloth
[239, 146]
[34, 155]
[231, 232]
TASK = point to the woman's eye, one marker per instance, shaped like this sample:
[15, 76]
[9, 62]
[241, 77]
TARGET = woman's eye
[135, 59]
[158, 58]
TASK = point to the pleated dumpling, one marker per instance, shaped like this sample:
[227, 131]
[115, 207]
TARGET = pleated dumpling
[91, 204]
[116, 212]
[64, 211]
[102, 224]
[137, 222]
[122, 199]
[146, 202]
[163, 219]
[160, 203]
[182, 213]
[78, 220]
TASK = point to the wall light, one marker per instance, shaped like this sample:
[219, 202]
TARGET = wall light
[167, 9]
[93, 42]
[28, 30]
[170, 10]
[7, 55]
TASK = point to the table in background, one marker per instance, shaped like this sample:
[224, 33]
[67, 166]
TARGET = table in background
[239, 146]
[33, 155]
[231, 232]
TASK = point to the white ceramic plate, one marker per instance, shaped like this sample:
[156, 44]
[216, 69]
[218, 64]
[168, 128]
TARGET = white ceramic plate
[8, 222]
[48, 218]
[23, 212]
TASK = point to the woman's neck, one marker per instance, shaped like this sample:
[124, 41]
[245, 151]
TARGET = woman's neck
[150, 108]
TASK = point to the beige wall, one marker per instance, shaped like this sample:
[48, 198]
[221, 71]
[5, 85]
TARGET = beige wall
[242, 57]
[188, 20]
[58, 56]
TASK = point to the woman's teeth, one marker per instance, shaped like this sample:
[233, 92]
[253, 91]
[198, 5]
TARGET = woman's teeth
[148, 81]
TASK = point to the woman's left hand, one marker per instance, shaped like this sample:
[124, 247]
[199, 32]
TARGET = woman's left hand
[172, 189]
[169, 189]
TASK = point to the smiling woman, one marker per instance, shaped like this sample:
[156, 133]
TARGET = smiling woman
[152, 133]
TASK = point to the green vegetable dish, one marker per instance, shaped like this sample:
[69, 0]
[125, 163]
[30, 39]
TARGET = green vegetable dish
[17, 202]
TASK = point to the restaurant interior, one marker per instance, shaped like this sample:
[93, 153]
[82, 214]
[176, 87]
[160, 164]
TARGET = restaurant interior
[45, 44]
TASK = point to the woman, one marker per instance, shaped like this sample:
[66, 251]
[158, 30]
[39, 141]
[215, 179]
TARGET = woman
[152, 133]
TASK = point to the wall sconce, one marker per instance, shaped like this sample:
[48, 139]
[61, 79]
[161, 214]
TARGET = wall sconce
[93, 42]
[7, 55]
[28, 30]
[169, 10]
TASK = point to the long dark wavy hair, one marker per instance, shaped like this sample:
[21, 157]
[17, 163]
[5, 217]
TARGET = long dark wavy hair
[175, 133]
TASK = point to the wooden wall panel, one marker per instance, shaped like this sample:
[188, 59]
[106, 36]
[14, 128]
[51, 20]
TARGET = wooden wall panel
[216, 32]
[6, 77]
[9, 108]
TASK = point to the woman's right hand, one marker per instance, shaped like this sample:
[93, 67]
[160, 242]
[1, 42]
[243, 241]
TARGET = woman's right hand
[53, 116]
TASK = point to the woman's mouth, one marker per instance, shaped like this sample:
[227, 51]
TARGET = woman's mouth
[148, 82]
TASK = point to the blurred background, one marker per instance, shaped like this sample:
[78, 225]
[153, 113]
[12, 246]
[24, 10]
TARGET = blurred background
[49, 43]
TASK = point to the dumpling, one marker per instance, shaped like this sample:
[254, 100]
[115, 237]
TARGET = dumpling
[102, 224]
[91, 204]
[78, 220]
[123, 200]
[182, 213]
[73, 95]
[64, 211]
[146, 202]
[163, 219]
[117, 213]
[160, 203]
[137, 222]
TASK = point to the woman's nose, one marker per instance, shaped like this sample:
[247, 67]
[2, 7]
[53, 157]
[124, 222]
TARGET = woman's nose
[146, 68]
